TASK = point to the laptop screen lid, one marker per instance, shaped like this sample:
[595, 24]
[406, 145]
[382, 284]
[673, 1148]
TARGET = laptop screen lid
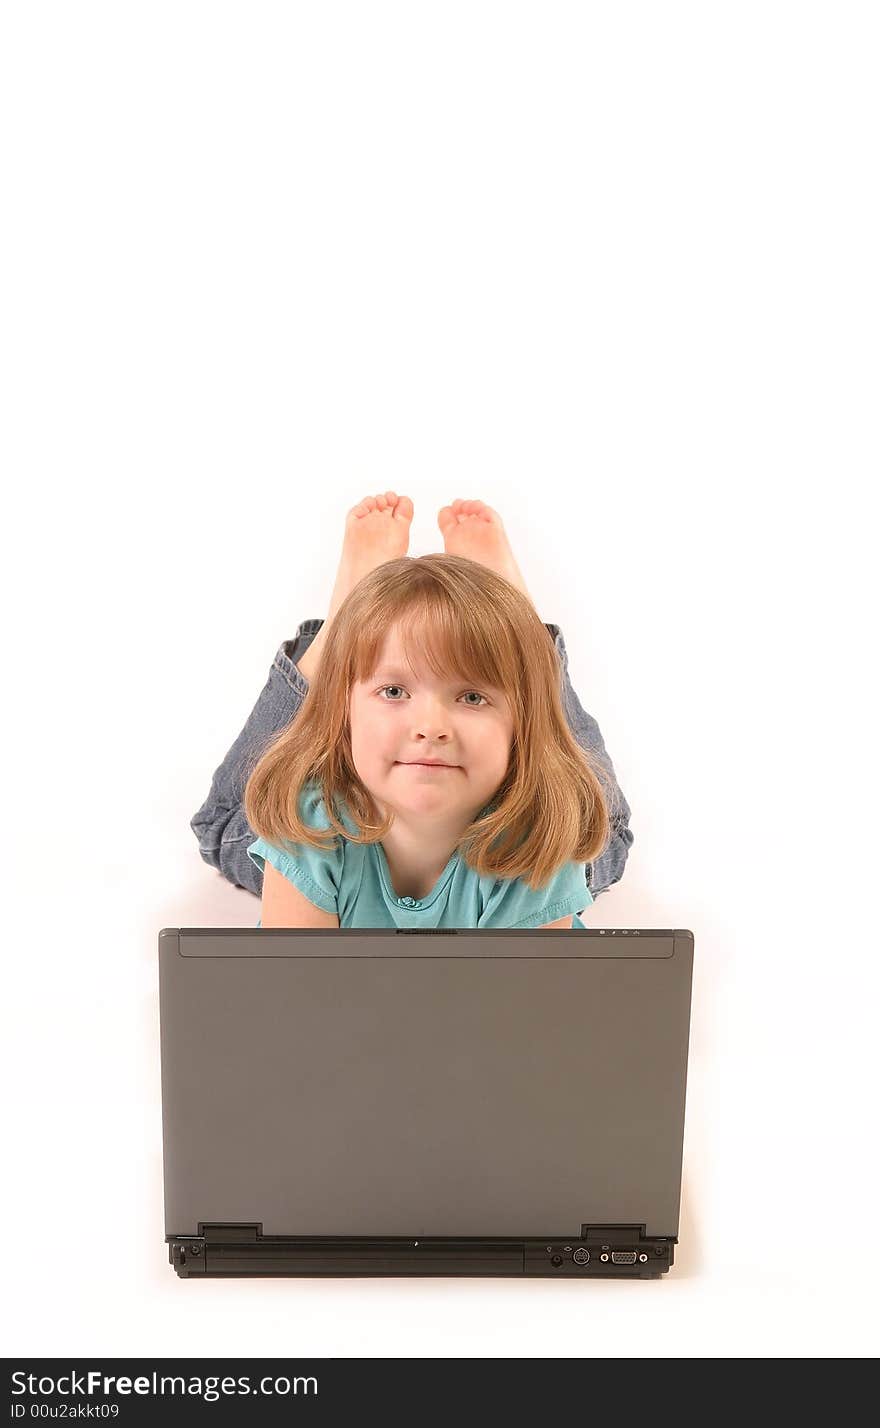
[448, 1083]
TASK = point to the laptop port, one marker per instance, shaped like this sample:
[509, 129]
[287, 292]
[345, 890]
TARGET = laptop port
[623, 1256]
[581, 1256]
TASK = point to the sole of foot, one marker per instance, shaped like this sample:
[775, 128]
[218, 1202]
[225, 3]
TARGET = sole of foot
[376, 530]
[472, 529]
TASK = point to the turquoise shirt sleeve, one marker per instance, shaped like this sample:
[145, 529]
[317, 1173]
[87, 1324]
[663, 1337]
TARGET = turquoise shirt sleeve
[511, 903]
[317, 872]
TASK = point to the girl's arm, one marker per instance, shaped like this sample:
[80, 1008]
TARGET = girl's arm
[285, 906]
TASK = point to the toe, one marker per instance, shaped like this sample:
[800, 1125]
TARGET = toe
[404, 511]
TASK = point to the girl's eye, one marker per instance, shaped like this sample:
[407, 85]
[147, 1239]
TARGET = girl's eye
[400, 687]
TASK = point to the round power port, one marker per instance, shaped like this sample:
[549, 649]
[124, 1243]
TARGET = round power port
[556, 1261]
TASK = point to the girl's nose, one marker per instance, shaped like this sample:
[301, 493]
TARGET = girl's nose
[432, 720]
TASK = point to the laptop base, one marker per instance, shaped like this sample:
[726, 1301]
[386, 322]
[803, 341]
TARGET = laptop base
[601, 1252]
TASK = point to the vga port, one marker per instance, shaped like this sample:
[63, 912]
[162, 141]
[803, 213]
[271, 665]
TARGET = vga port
[623, 1256]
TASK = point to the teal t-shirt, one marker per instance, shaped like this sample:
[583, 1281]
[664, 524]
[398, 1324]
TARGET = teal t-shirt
[353, 880]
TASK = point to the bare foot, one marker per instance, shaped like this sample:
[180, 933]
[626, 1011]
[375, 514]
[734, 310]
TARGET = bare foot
[376, 530]
[474, 530]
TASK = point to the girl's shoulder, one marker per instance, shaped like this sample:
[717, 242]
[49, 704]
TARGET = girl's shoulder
[317, 870]
[510, 902]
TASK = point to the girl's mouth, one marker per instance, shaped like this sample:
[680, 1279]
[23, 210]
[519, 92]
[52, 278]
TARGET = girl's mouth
[415, 764]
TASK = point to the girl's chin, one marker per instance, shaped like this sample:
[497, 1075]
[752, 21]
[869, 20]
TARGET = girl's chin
[423, 794]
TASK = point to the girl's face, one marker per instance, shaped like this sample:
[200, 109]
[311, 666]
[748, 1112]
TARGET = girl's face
[402, 717]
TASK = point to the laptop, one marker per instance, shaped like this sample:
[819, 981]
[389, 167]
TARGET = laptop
[342, 1102]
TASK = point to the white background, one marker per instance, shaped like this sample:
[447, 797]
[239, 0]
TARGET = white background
[611, 269]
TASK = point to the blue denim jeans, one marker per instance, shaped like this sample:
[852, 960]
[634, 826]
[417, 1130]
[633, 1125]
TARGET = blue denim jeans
[220, 824]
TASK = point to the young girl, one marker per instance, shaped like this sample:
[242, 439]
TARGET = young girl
[431, 778]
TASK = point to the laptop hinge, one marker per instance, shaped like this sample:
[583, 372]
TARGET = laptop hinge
[615, 1232]
[231, 1234]
[250, 1233]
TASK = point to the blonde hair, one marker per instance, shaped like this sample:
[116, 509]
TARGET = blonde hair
[469, 623]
